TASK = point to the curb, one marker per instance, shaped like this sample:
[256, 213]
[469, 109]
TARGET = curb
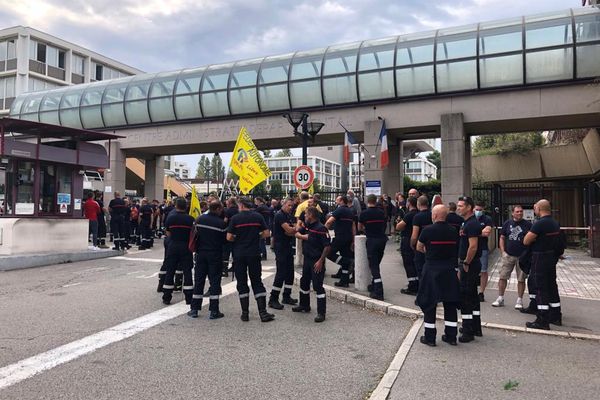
[10, 263]
[413, 314]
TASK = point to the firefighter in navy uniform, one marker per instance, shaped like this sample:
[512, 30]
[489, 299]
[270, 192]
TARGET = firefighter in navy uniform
[118, 211]
[406, 251]
[245, 230]
[315, 246]
[373, 222]
[135, 226]
[547, 245]
[228, 213]
[210, 238]
[178, 228]
[420, 221]
[163, 267]
[453, 219]
[267, 214]
[146, 215]
[341, 252]
[439, 282]
[469, 252]
[283, 236]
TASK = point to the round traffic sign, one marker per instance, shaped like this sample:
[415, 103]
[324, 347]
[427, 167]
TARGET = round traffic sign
[303, 177]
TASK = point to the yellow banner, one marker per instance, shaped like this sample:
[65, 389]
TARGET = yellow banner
[195, 210]
[247, 163]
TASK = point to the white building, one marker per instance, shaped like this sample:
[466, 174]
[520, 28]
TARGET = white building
[417, 169]
[420, 169]
[31, 60]
[181, 169]
[327, 173]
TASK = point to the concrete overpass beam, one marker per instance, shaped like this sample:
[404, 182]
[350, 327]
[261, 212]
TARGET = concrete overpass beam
[391, 177]
[114, 180]
[154, 178]
[456, 158]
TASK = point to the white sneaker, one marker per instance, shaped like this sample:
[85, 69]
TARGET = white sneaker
[96, 248]
[499, 302]
[519, 304]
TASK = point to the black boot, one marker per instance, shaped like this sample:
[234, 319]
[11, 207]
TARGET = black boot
[531, 308]
[288, 299]
[338, 274]
[159, 288]
[245, 303]
[216, 315]
[261, 302]
[274, 302]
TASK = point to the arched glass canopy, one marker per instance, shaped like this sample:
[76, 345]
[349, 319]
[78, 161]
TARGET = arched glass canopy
[548, 48]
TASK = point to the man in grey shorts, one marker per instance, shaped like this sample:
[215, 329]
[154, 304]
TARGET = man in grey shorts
[511, 244]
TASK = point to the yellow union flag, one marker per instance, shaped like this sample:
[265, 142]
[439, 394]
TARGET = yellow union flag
[195, 210]
[247, 163]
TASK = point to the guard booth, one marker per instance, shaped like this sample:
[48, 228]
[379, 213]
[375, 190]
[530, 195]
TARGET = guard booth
[42, 170]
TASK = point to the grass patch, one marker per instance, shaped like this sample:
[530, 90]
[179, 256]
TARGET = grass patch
[511, 385]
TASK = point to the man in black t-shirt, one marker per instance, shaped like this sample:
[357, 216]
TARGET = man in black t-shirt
[420, 221]
[283, 238]
[547, 245]
[210, 238]
[512, 248]
[469, 252]
[179, 257]
[406, 251]
[342, 246]
[373, 222]
[439, 282]
[245, 230]
[453, 219]
[315, 246]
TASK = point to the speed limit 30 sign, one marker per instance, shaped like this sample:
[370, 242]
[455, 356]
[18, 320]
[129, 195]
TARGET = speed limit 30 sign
[303, 177]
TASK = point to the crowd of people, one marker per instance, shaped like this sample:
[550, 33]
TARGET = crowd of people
[444, 250]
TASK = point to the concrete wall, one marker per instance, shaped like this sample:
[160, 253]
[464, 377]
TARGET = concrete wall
[40, 235]
[554, 162]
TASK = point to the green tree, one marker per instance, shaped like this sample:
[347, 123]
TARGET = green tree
[260, 189]
[316, 187]
[266, 153]
[436, 159]
[284, 153]
[216, 167]
[510, 143]
[276, 188]
[203, 170]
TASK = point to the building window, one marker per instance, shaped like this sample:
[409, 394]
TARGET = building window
[78, 65]
[99, 74]
[41, 53]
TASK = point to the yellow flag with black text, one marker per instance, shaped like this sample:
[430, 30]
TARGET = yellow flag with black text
[247, 163]
[195, 210]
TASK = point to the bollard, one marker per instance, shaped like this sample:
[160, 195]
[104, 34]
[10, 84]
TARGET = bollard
[362, 273]
[299, 259]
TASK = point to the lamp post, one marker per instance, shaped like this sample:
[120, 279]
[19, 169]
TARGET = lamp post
[296, 119]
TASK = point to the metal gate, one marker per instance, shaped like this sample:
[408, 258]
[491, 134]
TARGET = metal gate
[595, 234]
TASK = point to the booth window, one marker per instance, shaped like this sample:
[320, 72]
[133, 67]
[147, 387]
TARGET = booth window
[55, 189]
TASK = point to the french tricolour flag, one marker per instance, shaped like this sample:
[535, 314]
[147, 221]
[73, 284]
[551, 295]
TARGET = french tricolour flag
[384, 158]
[348, 141]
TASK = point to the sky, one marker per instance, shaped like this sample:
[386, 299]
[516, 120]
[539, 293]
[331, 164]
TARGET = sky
[155, 36]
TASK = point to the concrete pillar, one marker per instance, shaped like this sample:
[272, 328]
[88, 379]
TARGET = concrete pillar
[362, 273]
[456, 158]
[114, 178]
[391, 177]
[154, 180]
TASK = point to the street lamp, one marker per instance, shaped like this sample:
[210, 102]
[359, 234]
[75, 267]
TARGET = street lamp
[296, 119]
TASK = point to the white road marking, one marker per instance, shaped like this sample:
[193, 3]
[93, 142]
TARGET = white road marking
[72, 284]
[156, 260]
[384, 387]
[19, 371]
[135, 272]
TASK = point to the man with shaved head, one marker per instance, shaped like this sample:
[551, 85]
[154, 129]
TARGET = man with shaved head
[439, 283]
[547, 245]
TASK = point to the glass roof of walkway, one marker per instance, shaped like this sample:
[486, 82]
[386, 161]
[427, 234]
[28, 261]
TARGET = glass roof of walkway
[554, 47]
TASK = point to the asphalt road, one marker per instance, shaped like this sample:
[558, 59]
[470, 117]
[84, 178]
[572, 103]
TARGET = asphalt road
[292, 357]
